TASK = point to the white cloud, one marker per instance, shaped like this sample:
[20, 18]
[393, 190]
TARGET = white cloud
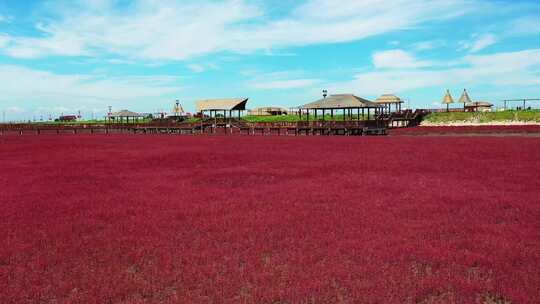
[4, 40]
[174, 30]
[202, 67]
[286, 84]
[481, 42]
[528, 25]
[197, 68]
[515, 69]
[396, 59]
[283, 80]
[120, 61]
[429, 45]
[43, 88]
[15, 110]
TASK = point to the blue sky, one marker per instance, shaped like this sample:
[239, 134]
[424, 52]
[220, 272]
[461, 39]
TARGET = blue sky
[65, 56]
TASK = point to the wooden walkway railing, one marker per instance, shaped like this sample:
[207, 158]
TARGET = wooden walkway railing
[215, 127]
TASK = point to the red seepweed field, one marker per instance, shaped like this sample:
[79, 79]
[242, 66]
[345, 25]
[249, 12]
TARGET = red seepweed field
[174, 219]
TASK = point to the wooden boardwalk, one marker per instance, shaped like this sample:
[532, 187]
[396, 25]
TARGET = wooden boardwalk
[328, 128]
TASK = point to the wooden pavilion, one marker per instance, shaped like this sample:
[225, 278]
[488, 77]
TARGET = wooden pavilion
[124, 116]
[387, 100]
[447, 100]
[215, 107]
[351, 106]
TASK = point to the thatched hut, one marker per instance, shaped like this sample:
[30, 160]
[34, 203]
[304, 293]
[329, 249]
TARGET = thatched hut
[124, 116]
[222, 106]
[465, 99]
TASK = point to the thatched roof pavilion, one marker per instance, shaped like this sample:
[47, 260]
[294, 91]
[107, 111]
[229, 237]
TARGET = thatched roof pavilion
[124, 115]
[348, 103]
[387, 100]
[225, 105]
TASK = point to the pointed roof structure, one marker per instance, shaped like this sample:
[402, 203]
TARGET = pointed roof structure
[448, 98]
[341, 101]
[465, 97]
[178, 109]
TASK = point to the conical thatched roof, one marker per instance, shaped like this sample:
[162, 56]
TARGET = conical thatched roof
[388, 98]
[341, 101]
[465, 97]
[448, 98]
[178, 109]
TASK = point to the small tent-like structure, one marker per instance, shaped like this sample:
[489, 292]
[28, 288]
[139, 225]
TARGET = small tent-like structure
[177, 112]
[387, 100]
[447, 100]
[348, 103]
[465, 99]
[224, 105]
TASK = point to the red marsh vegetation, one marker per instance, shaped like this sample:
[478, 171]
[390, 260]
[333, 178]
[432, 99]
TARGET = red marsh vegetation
[177, 219]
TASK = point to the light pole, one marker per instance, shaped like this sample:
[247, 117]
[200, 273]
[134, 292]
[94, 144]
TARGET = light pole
[324, 93]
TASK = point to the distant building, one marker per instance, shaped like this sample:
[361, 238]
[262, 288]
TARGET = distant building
[268, 111]
[66, 118]
[478, 106]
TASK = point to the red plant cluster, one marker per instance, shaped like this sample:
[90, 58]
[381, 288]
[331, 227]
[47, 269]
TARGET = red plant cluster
[501, 129]
[177, 219]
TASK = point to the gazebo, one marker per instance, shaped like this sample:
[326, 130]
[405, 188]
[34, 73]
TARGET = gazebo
[347, 103]
[124, 116]
[465, 99]
[387, 100]
[224, 106]
[447, 100]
